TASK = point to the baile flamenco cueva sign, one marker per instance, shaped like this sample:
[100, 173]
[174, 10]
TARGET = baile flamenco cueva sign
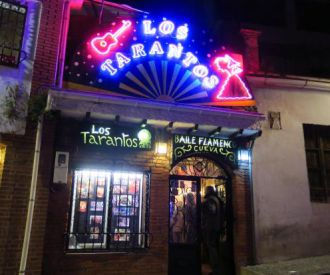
[157, 59]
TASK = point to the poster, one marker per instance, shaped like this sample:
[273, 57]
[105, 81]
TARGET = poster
[123, 221]
[120, 189]
[121, 235]
[96, 206]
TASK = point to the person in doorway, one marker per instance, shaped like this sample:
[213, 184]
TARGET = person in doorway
[177, 224]
[190, 218]
[212, 225]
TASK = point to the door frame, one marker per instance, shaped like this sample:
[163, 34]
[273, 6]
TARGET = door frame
[198, 214]
[229, 214]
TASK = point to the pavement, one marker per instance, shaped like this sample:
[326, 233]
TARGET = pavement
[306, 266]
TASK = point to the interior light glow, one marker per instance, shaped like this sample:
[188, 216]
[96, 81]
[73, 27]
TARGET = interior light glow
[243, 155]
[156, 48]
[138, 50]
[147, 28]
[229, 69]
[92, 173]
[2, 159]
[104, 44]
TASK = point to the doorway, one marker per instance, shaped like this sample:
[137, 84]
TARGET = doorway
[187, 252]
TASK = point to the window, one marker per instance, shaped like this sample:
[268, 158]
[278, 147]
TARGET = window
[2, 159]
[12, 22]
[317, 146]
[109, 211]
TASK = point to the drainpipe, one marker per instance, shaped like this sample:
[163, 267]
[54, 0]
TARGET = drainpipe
[37, 6]
[252, 209]
[33, 187]
[36, 158]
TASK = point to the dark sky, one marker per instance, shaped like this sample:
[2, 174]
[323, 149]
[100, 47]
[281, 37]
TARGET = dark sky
[196, 10]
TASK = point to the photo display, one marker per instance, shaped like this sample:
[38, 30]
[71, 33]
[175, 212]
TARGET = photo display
[125, 205]
[91, 192]
[106, 205]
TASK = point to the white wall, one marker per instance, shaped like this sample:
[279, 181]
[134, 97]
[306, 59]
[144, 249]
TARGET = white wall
[23, 74]
[287, 224]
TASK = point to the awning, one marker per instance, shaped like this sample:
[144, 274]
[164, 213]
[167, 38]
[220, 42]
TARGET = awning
[179, 118]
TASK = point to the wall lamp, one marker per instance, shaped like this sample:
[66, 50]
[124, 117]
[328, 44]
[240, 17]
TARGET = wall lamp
[244, 155]
[161, 148]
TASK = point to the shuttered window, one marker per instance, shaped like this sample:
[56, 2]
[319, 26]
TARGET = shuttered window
[317, 146]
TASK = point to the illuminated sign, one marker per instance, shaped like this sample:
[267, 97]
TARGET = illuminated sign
[114, 137]
[105, 43]
[231, 69]
[186, 145]
[155, 59]
[102, 45]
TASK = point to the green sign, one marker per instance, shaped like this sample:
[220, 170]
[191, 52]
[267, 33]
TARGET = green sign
[95, 135]
[184, 145]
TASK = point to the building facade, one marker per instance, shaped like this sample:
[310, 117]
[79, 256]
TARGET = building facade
[142, 114]
[290, 197]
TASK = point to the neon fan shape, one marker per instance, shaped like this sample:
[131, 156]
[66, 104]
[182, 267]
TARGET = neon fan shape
[161, 79]
[170, 81]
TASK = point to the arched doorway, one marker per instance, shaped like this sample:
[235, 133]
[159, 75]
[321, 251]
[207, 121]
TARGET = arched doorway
[188, 181]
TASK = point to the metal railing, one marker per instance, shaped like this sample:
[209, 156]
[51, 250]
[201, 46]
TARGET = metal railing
[112, 242]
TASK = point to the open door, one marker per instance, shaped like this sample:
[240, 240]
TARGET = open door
[187, 253]
[225, 245]
[184, 223]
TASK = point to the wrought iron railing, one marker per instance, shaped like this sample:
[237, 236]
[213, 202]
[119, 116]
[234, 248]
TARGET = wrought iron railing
[125, 242]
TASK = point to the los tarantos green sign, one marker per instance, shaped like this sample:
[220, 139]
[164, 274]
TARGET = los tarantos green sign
[94, 135]
[184, 145]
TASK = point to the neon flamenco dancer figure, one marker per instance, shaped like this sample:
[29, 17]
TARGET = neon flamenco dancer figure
[105, 43]
[229, 70]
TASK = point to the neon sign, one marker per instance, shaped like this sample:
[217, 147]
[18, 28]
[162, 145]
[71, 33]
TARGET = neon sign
[154, 59]
[165, 28]
[185, 145]
[231, 69]
[113, 137]
[103, 44]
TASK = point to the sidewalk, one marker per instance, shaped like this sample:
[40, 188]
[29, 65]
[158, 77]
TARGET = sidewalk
[306, 266]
